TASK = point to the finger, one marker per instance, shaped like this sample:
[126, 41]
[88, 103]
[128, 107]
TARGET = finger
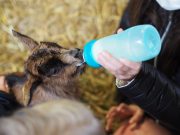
[137, 117]
[119, 30]
[109, 123]
[105, 61]
[110, 119]
[111, 62]
[116, 67]
[109, 113]
[132, 126]
[130, 64]
[121, 130]
[113, 113]
[124, 108]
[124, 111]
[125, 77]
[122, 70]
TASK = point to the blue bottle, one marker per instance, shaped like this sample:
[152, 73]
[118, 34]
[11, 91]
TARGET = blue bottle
[138, 43]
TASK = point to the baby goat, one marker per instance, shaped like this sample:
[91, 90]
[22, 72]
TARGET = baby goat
[50, 72]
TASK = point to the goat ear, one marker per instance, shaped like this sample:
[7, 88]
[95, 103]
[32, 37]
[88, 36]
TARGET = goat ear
[27, 41]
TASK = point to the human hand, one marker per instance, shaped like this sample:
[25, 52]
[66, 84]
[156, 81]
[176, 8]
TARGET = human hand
[147, 127]
[3, 84]
[132, 113]
[121, 68]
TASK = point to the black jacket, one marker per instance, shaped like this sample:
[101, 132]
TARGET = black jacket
[155, 90]
[157, 95]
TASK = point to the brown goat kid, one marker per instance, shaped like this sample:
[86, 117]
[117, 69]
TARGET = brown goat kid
[50, 73]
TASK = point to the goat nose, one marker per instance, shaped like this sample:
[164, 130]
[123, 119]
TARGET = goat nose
[78, 50]
[78, 53]
[75, 52]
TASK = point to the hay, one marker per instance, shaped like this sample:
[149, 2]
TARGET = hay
[70, 23]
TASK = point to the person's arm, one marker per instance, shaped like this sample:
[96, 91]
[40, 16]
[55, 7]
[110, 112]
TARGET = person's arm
[150, 89]
[156, 94]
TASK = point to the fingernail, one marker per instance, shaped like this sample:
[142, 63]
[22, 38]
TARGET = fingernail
[130, 121]
[120, 30]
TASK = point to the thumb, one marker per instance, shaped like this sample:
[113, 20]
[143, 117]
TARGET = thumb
[119, 30]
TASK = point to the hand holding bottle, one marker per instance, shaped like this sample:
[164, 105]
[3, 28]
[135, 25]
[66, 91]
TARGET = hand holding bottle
[121, 68]
[138, 43]
[123, 53]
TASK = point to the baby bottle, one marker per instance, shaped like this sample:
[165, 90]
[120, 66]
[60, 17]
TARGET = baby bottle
[138, 43]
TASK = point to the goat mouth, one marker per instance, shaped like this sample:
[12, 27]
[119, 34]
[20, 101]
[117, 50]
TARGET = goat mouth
[80, 68]
[80, 64]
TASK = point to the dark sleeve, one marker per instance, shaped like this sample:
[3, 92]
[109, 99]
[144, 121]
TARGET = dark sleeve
[125, 20]
[7, 104]
[134, 14]
[157, 95]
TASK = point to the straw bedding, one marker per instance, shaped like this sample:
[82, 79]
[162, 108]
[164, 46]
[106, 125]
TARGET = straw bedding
[71, 23]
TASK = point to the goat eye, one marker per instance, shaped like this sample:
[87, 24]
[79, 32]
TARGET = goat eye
[51, 67]
[72, 52]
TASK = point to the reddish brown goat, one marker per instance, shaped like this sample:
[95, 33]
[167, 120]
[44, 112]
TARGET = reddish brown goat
[50, 72]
